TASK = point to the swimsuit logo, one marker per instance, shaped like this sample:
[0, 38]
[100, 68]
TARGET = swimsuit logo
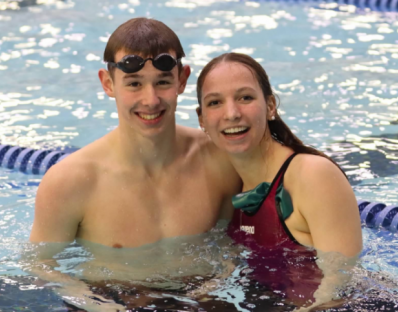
[247, 229]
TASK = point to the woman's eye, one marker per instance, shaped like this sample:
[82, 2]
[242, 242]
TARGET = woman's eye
[247, 98]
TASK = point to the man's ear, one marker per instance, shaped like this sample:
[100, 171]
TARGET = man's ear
[200, 116]
[106, 82]
[183, 79]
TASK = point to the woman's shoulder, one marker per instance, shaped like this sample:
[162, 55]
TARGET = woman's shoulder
[313, 171]
[313, 164]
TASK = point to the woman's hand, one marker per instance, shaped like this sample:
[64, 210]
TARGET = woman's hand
[337, 271]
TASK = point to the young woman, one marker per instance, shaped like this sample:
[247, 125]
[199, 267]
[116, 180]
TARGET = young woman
[293, 195]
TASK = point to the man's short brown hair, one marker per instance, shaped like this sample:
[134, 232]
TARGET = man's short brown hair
[143, 36]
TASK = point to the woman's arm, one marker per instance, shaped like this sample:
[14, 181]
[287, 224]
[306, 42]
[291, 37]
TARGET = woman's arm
[327, 204]
[325, 199]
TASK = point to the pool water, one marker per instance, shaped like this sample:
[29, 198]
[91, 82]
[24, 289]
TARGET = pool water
[333, 67]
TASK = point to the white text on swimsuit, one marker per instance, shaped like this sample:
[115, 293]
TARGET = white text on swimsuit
[247, 229]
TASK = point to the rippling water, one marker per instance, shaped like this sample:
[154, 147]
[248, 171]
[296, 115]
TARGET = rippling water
[333, 67]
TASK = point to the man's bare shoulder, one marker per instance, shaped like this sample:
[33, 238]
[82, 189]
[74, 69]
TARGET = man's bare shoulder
[197, 138]
[74, 178]
[214, 158]
[64, 193]
[72, 170]
[191, 135]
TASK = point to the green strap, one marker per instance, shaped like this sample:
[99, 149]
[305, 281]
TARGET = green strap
[285, 201]
[252, 200]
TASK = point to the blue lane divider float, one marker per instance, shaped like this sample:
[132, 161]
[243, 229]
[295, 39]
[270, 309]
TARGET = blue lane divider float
[379, 215]
[31, 161]
[374, 5]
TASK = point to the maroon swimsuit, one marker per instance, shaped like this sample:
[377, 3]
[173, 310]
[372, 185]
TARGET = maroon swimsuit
[278, 260]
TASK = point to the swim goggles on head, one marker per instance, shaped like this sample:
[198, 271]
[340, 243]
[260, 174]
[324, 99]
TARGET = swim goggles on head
[133, 63]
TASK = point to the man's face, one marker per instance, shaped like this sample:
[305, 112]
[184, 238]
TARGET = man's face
[146, 100]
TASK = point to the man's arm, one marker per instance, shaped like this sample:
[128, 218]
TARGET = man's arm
[232, 186]
[228, 179]
[60, 203]
[39, 261]
[59, 209]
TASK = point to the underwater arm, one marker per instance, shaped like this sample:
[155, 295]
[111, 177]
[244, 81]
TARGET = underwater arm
[337, 271]
[58, 212]
[40, 260]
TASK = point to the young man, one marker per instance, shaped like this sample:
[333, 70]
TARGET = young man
[148, 179]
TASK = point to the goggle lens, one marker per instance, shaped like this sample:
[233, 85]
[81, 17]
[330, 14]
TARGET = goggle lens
[164, 62]
[131, 63]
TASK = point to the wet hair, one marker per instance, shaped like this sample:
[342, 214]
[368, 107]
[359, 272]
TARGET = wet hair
[143, 36]
[278, 129]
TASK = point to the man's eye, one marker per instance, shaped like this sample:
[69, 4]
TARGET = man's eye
[134, 84]
[163, 82]
[213, 103]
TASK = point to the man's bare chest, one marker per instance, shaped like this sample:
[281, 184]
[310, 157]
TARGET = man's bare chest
[141, 212]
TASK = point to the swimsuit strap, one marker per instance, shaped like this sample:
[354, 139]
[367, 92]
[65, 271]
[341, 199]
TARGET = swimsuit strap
[281, 173]
[277, 178]
[282, 170]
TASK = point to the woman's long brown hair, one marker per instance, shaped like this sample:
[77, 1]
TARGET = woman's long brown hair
[278, 129]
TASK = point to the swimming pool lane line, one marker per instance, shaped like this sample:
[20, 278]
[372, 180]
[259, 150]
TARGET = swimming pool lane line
[374, 5]
[32, 161]
[29, 160]
[379, 215]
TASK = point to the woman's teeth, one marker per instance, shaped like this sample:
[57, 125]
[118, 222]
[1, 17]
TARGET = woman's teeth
[149, 116]
[235, 130]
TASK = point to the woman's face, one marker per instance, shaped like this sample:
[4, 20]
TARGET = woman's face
[234, 111]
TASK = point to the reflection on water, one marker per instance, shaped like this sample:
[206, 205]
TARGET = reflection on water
[366, 157]
[42, 299]
[336, 78]
[371, 164]
[200, 273]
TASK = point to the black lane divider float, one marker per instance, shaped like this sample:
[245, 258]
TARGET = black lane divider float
[32, 161]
